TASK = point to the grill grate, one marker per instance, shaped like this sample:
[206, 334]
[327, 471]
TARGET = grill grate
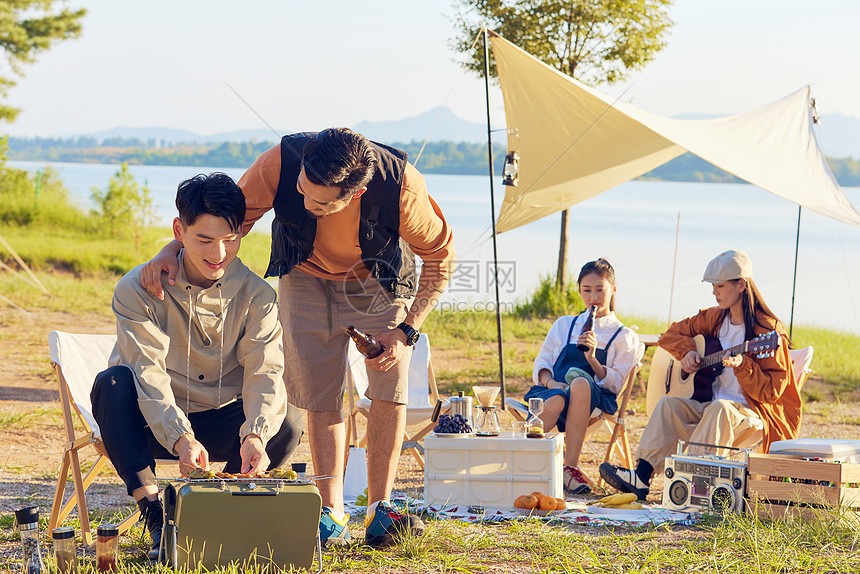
[237, 480]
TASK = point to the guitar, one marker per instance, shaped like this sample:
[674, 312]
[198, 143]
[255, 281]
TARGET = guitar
[668, 379]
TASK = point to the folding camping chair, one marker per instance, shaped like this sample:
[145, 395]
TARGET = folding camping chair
[800, 360]
[422, 396]
[619, 442]
[76, 360]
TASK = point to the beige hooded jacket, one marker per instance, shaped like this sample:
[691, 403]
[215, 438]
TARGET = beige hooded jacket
[235, 343]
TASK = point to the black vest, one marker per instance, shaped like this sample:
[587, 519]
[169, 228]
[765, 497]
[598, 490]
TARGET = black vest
[384, 253]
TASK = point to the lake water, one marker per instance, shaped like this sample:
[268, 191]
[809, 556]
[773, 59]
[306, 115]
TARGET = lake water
[632, 225]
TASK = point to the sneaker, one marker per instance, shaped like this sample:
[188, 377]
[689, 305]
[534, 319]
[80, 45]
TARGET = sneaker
[152, 514]
[574, 481]
[333, 532]
[624, 479]
[387, 523]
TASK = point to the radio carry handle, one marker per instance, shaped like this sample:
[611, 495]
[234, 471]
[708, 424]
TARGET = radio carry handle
[682, 444]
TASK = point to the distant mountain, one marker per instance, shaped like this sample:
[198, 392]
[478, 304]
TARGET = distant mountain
[170, 136]
[449, 127]
[839, 134]
[165, 135]
[261, 135]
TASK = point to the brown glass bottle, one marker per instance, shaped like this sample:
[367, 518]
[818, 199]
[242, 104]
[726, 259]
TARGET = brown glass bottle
[589, 323]
[365, 343]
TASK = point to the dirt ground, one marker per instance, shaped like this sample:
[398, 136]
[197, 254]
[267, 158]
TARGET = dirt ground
[32, 435]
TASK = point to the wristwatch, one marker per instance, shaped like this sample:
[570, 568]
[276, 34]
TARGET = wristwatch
[411, 333]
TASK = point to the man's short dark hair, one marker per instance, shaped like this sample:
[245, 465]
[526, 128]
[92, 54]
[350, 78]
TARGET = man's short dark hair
[339, 157]
[214, 194]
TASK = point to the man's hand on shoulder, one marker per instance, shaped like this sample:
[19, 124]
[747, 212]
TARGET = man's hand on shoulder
[165, 260]
[394, 341]
[191, 453]
[253, 453]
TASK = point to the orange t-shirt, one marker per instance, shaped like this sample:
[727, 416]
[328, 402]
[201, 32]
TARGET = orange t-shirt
[337, 253]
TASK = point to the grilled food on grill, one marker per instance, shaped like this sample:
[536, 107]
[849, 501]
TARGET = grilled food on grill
[198, 473]
[241, 475]
[283, 473]
[289, 474]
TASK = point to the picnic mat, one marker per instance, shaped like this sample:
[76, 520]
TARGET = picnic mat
[576, 513]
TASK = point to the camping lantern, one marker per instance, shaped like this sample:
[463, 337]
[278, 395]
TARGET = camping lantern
[510, 174]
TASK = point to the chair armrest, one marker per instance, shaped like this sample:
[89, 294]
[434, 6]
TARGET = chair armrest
[518, 409]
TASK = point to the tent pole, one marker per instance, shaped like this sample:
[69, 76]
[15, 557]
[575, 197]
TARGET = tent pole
[674, 267]
[794, 279]
[493, 217]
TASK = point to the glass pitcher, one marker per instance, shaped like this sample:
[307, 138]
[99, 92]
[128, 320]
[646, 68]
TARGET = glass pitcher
[486, 421]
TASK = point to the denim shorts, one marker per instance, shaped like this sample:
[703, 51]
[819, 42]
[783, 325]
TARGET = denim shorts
[601, 399]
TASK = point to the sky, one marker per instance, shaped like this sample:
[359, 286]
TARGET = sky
[310, 65]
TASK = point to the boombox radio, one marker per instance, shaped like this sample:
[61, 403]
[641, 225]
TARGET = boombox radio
[705, 483]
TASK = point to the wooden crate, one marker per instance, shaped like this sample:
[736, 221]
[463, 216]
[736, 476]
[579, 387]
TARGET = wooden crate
[812, 485]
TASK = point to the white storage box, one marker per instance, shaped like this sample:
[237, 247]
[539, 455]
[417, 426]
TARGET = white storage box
[491, 471]
[839, 450]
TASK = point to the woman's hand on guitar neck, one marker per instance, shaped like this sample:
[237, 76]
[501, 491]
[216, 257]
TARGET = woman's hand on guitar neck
[691, 362]
[732, 362]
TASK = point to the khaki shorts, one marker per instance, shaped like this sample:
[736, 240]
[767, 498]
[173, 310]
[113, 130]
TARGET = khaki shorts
[315, 314]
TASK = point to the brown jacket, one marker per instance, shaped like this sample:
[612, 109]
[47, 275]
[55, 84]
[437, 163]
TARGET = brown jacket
[768, 384]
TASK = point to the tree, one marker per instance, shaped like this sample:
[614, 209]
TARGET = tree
[124, 206]
[594, 41]
[27, 28]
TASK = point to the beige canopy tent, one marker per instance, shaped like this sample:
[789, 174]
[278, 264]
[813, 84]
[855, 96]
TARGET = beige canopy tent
[574, 143]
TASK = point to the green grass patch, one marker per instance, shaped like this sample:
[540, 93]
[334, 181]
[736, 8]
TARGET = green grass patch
[738, 543]
[473, 334]
[22, 419]
[836, 361]
[548, 301]
[97, 254]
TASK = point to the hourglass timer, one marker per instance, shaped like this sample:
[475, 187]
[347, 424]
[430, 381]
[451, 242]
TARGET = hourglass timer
[535, 425]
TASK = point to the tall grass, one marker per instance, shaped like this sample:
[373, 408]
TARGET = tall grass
[95, 254]
[22, 419]
[47, 205]
[836, 360]
[50, 231]
[739, 543]
[549, 301]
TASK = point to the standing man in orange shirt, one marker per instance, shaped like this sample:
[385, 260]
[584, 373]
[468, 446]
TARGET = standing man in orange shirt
[350, 215]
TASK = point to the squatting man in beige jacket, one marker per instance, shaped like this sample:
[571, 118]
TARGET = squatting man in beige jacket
[197, 376]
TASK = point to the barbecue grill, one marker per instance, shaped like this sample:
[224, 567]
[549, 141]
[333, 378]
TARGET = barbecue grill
[245, 521]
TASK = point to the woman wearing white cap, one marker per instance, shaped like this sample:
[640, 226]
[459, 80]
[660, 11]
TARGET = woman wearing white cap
[754, 399]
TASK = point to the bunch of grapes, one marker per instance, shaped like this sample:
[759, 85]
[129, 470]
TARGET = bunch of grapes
[455, 424]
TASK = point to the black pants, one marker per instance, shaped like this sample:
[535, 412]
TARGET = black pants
[132, 448]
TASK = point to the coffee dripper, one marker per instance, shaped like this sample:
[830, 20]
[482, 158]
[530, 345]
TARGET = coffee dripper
[486, 417]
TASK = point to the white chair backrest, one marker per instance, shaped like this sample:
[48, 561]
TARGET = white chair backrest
[419, 385]
[640, 354]
[81, 357]
[801, 359]
[356, 372]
